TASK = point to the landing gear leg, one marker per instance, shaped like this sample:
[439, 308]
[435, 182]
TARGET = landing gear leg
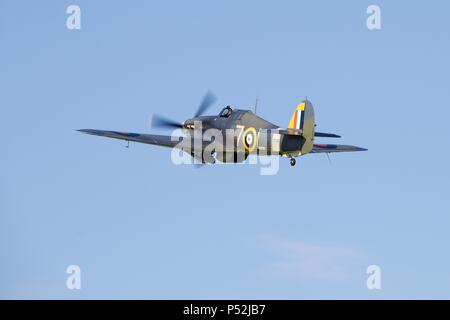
[293, 161]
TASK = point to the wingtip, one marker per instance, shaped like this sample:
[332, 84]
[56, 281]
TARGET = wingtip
[86, 131]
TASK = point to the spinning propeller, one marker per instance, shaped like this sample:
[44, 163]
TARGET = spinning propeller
[166, 123]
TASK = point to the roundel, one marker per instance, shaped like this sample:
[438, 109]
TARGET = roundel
[249, 138]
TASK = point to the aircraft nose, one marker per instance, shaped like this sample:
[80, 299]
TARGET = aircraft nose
[188, 124]
[196, 123]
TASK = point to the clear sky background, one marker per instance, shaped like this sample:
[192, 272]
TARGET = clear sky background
[141, 227]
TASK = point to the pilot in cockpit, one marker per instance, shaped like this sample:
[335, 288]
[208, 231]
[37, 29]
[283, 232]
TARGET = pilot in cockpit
[226, 112]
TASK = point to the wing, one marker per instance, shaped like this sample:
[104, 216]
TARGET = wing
[188, 144]
[328, 148]
[159, 140]
[298, 132]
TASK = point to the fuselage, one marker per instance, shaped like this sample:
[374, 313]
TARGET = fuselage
[250, 133]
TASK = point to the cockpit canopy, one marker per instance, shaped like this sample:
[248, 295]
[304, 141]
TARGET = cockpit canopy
[226, 112]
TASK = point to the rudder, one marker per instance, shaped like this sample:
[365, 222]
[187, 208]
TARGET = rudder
[303, 119]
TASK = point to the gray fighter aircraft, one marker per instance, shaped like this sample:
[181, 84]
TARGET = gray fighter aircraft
[234, 134]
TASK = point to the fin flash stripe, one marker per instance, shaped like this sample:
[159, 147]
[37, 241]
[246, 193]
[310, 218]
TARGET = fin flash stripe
[297, 118]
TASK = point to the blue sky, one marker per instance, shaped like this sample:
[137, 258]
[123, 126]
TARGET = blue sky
[140, 227]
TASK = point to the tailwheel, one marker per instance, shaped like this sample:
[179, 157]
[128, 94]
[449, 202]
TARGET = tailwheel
[293, 161]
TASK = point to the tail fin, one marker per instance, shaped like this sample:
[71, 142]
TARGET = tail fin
[303, 119]
[298, 117]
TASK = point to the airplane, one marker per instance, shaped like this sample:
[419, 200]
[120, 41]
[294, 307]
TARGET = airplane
[250, 134]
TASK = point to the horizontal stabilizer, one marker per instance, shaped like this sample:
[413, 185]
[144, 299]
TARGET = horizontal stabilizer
[291, 132]
[329, 148]
[326, 135]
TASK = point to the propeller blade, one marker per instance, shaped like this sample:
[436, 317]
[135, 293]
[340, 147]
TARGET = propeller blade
[162, 122]
[207, 101]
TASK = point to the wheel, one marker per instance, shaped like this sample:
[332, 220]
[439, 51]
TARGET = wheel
[293, 162]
